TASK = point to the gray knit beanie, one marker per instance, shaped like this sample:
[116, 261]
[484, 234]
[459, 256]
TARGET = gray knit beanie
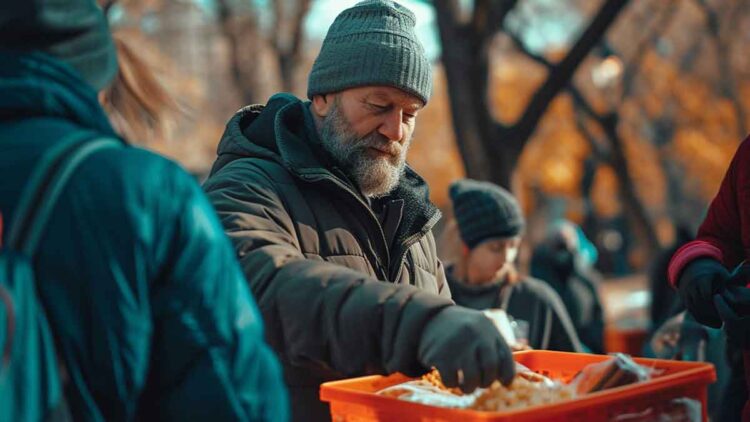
[484, 211]
[372, 43]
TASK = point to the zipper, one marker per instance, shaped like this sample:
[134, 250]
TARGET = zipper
[383, 269]
[411, 240]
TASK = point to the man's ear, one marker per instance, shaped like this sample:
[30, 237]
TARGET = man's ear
[322, 104]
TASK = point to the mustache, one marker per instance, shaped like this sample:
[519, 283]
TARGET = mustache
[381, 143]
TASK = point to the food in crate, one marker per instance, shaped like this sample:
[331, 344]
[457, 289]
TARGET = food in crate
[527, 389]
[617, 371]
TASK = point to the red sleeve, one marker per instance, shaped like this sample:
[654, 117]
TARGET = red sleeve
[726, 225]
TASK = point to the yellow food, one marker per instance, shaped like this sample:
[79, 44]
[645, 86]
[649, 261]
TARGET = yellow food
[527, 389]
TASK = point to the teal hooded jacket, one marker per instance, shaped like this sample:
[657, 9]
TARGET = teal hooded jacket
[150, 313]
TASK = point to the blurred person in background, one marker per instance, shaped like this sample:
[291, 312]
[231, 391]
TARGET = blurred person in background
[556, 261]
[150, 314]
[334, 230]
[490, 223]
[675, 334]
[665, 302]
[711, 275]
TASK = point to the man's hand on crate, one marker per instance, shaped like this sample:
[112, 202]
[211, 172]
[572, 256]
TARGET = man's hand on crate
[466, 348]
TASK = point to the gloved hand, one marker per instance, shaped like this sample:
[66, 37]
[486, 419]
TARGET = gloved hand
[467, 349]
[733, 307]
[699, 282]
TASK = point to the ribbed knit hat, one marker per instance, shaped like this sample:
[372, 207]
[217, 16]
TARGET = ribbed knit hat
[372, 43]
[74, 31]
[484, 210]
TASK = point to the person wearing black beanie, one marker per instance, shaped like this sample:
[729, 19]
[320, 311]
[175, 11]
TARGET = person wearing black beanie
[490, 225]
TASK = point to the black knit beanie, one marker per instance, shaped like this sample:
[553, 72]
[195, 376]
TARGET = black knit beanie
[74, 31]
[484, 210]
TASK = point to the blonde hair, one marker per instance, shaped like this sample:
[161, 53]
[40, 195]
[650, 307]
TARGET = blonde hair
[139, 107]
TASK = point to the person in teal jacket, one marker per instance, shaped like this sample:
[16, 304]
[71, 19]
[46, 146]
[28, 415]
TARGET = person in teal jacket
[150, 312]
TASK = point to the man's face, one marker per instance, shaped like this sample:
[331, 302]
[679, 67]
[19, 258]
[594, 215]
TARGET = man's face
[367, 130]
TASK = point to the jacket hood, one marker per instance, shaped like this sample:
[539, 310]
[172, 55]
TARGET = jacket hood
[38, 85]
[282, 130]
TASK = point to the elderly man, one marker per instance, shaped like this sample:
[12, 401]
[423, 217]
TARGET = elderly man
[333, 229]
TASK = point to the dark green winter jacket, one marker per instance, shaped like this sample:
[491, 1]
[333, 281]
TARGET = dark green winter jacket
[345, 290]
[149, 309]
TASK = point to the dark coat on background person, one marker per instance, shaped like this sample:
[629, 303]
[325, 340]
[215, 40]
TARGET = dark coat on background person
[345, 284]
[724, 236]
[530, 300]
[556, 267]
[665, 302]
[151, 315]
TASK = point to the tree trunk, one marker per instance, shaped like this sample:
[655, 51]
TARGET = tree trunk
[288, 52]
[465, 69]
[635, 211]
[236, 30]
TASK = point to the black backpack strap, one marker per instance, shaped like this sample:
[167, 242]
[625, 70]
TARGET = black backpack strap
[45, 185]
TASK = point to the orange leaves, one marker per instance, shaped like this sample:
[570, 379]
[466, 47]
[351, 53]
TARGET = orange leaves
[704, 156]
[434, 153]
[513, 80]
[552, 160]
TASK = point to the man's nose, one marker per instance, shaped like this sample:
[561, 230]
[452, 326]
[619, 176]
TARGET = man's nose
[391, 127]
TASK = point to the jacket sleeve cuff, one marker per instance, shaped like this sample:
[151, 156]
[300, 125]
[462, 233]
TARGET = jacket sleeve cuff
[688, 253]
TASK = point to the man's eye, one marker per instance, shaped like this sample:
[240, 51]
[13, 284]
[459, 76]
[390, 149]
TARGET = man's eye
[379, 107]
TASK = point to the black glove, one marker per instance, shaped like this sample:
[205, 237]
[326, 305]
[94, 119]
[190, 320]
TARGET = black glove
[699, 282]
[466, 348]
[733, 306]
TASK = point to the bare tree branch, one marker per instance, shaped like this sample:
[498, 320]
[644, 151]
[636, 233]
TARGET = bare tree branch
[298, 27]
[466, 65]
[235, 30]
[561, 73]
[727, 82]
[289, 55]
[479, 17]
[276, 36]
[642, 222]
[520, 46]
[490, 149]
[489, 15]
[498, 12]
[599, 152]
[634, 64]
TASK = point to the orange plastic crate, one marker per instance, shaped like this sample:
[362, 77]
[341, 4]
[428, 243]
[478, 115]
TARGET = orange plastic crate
[625, 340]
[354, 400]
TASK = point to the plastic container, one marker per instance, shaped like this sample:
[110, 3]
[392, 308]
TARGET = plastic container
[625, 340]
[354, 400]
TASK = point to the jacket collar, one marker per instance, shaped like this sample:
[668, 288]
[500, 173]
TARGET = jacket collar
[38, 85]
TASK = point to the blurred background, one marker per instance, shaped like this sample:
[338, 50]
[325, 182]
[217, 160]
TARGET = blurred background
[620, 116]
